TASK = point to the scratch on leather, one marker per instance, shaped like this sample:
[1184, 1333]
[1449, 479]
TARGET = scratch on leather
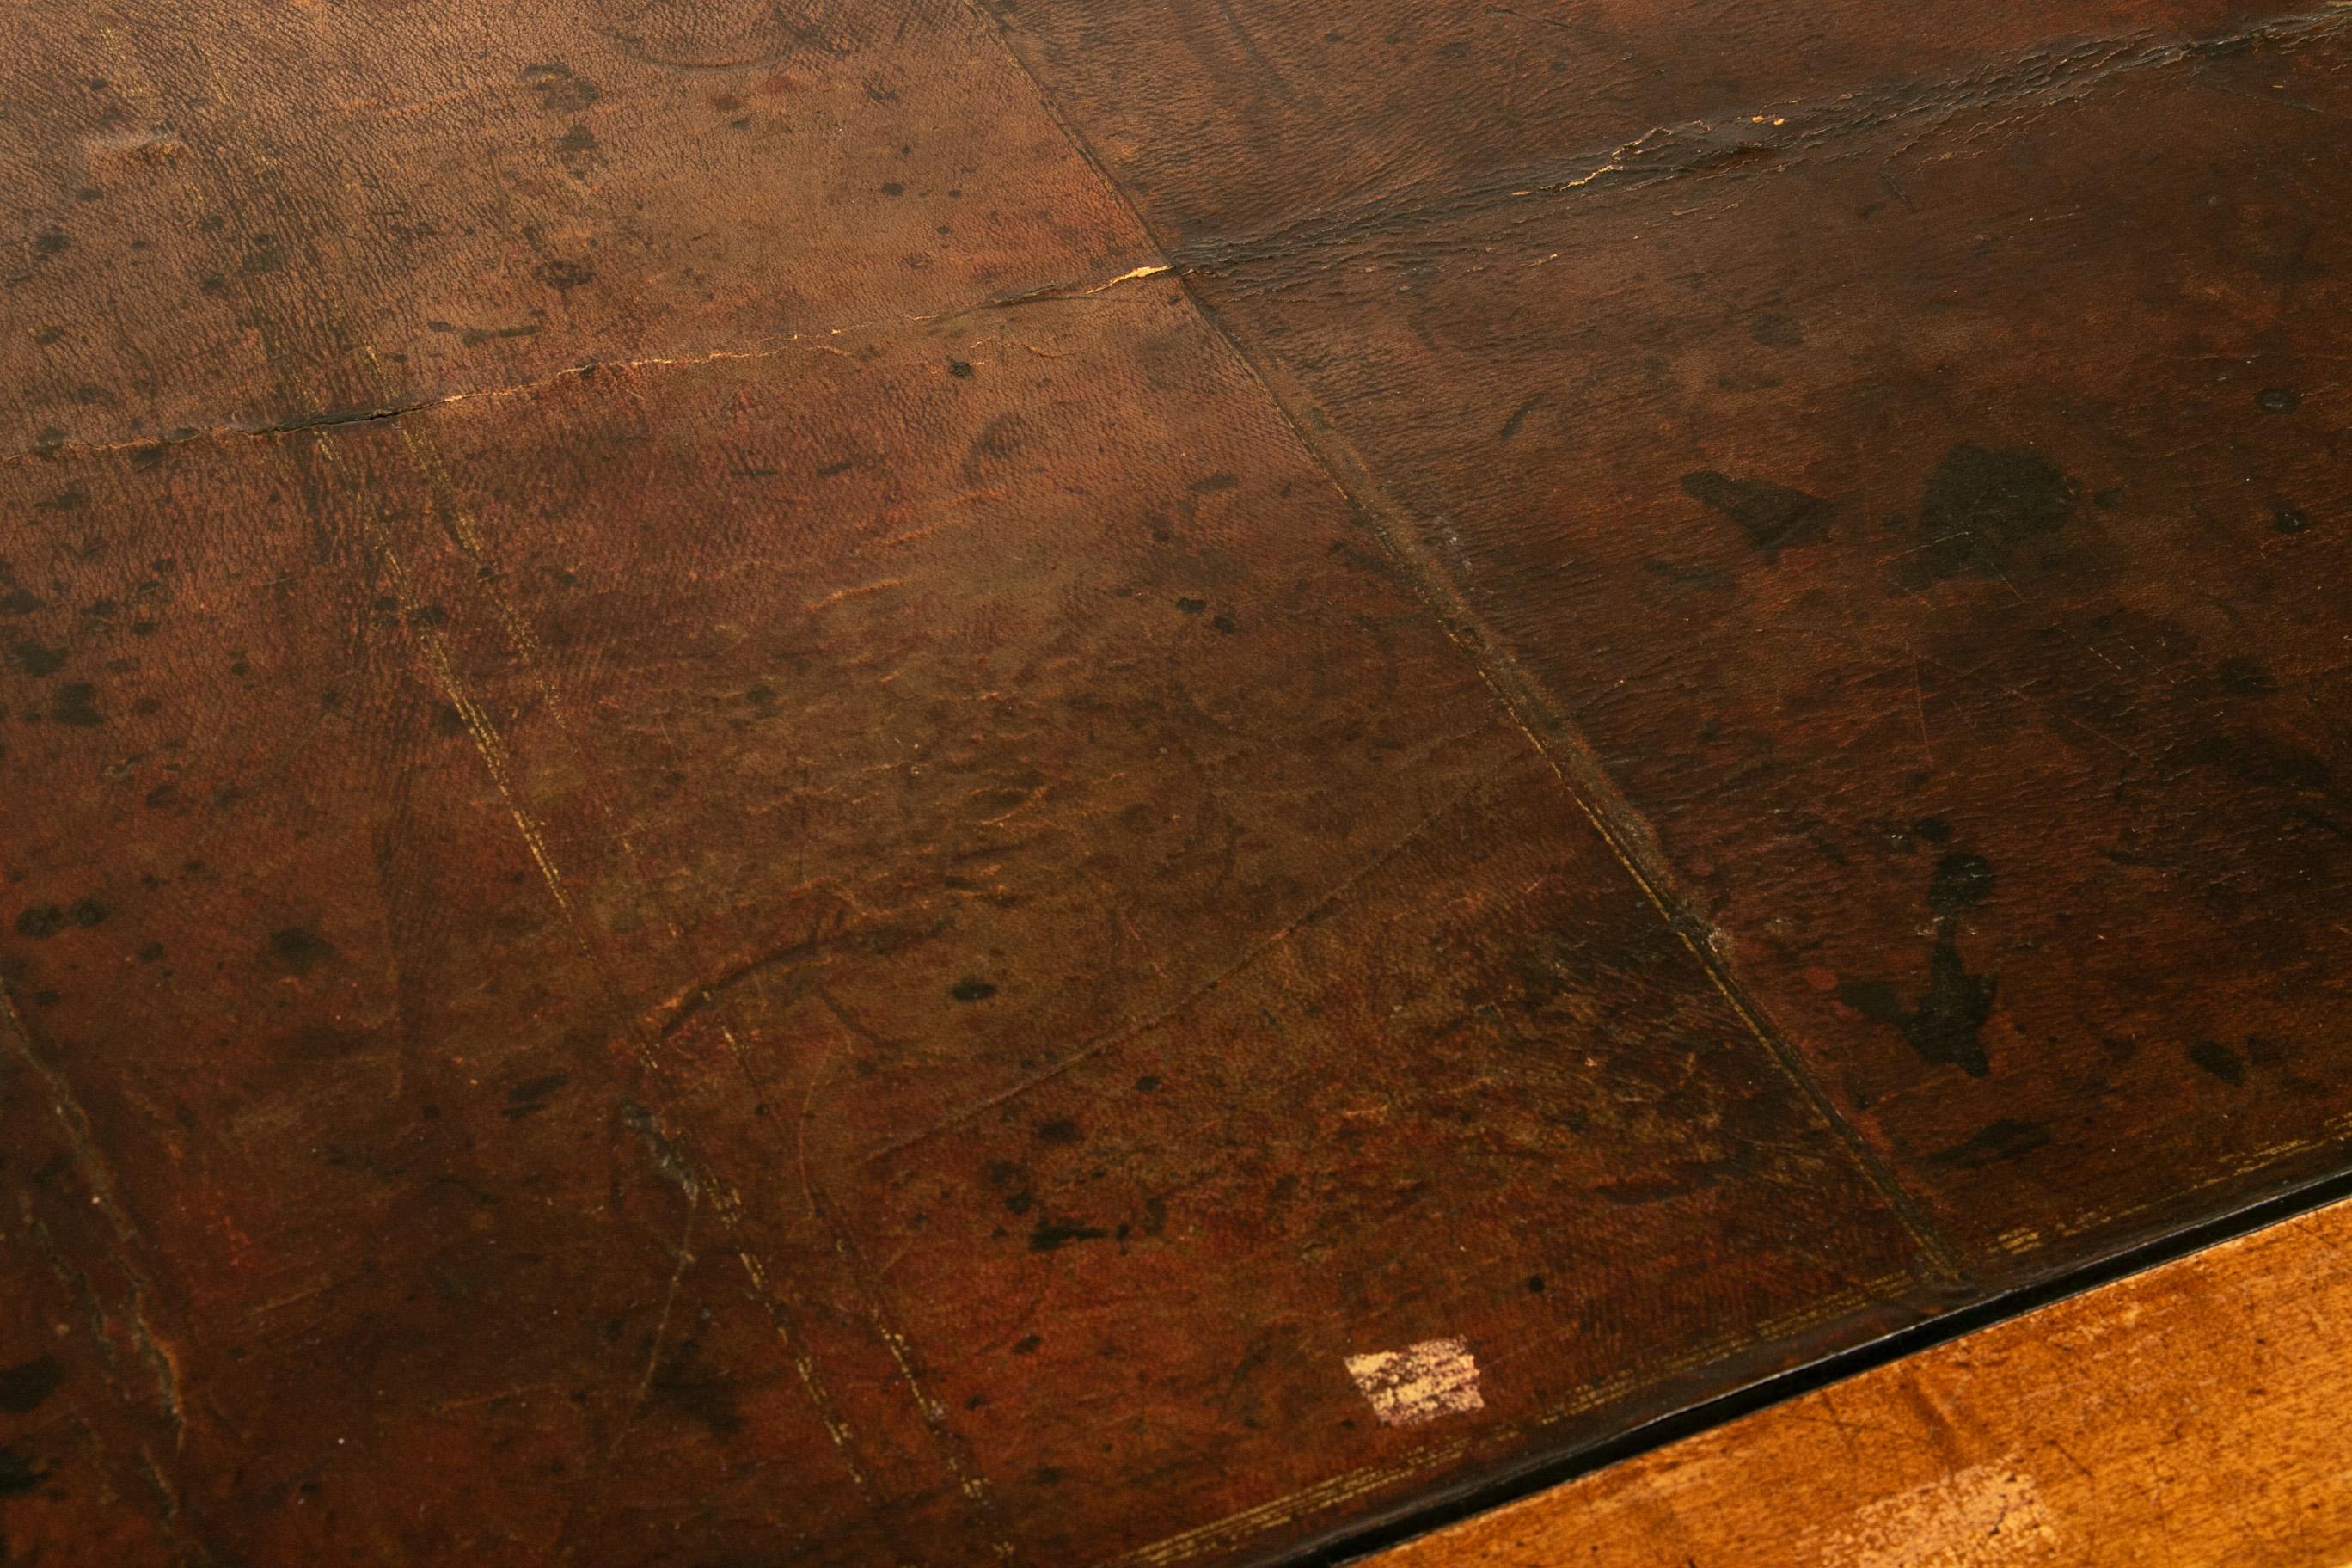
[124, 1240]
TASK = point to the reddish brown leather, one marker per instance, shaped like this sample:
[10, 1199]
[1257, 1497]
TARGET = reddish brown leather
[825, 784]
[1957, 608]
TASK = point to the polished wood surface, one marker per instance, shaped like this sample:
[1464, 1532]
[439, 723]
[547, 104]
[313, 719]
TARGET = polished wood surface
[1114, 782]
[2189, 1414]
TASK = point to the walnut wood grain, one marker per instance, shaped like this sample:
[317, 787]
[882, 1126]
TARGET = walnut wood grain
[2186, 1415]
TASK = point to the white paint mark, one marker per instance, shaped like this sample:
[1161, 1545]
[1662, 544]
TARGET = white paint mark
[1419, 1383]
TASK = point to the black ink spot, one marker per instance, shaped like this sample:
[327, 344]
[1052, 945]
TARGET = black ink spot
[1191, 606]
[2003, 1139]
[1535, 1284]
[299, 948]
[531, 1094]
[1946, 1024]
[893, 188]
[23, 1387]
[1052, 1233]
[1519, 416]
[1961, 882]
[688, 1382]
[1027, 1345]
[565, 275]
[2220, 1060]
[959, 369]
[448, 720]
[44, 920]
[1773, 517]
[88, 913]
[77, 704]
[36, 660]
[1934, 829]
[559, 92]
[1775, 331]
[16, 1476]
[2278, 400]
[51, 241]
[1148, 1084]
[1980, 506]
[473, 337]
[1061, 1133]
[971, 989]
[579, 150]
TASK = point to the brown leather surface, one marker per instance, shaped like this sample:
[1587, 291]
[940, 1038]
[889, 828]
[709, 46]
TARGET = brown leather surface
[248, 213]
[1233, 123]
[1958, 610]
[826, 785]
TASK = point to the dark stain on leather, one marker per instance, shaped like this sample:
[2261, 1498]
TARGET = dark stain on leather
[2220, 1061]
[1772, 518]
[560, 91]
[995, 446]
[1947, 1024]
[688, 1381]
[17, 1474]
[1981, 505]
[1051, 1234]
[36, 659]
[299, 948]
[2005, 1138]
[26, 1385]
[77, 705]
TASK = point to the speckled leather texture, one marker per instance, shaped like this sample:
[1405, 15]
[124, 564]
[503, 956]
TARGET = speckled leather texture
[1104, 783]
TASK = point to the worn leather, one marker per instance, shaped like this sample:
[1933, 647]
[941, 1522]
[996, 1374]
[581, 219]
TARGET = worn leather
[853, 786]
